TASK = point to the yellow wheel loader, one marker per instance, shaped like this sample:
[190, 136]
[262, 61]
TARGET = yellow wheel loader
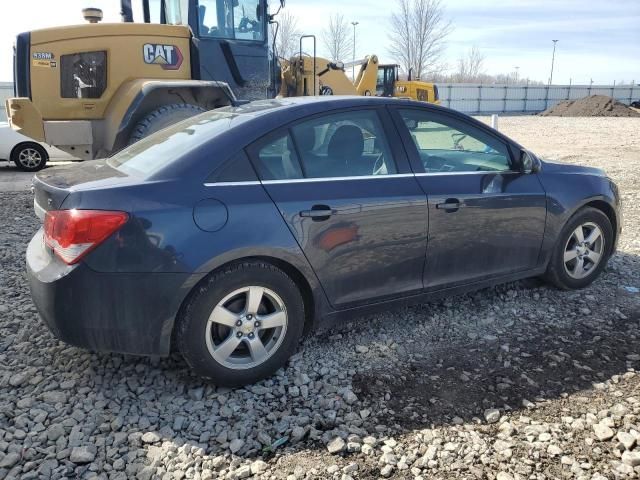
[92, 89]
[312, 75]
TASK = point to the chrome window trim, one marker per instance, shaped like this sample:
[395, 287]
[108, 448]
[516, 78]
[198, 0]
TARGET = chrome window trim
[333, 179]
[474, 172]
[359, 177]
[232, 184]
[307, 180]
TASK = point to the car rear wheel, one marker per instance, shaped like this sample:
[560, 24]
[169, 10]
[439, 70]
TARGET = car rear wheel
[582, 250]
[242, 325]
[29, 156]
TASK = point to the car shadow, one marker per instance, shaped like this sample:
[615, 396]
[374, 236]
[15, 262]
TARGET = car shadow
[458, 381]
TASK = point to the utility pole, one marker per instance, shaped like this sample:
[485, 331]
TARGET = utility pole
[353, 67]
[553, 57]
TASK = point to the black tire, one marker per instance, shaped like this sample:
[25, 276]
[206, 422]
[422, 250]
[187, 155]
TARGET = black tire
[163, 117]
[191, 328]
[29, 156]
[556, 271]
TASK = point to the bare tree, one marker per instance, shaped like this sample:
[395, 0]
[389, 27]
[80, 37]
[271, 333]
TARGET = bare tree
[287, 37]
[470, 66]
[337, 38]
[418, 33]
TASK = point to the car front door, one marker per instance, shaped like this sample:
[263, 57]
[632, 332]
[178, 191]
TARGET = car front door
[344, 188]
[486, 216]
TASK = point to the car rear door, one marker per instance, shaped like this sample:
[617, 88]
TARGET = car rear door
[486, 216]
[343, 185]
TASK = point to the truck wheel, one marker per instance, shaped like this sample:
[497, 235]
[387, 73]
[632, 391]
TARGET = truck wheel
[29, 156]
[163, 117]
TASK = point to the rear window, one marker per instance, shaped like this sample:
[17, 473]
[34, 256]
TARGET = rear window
[151, 154]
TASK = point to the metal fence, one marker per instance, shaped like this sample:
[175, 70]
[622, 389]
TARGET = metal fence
[478, 98]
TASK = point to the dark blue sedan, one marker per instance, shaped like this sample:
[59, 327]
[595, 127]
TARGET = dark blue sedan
[228, 235]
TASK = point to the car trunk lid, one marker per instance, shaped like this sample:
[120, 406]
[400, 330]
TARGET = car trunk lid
[52, 186]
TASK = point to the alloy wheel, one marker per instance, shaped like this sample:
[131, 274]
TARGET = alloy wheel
[29, 158]
[246, 327]
[584, 250]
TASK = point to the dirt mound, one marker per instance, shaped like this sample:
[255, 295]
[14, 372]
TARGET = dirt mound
[593, 106]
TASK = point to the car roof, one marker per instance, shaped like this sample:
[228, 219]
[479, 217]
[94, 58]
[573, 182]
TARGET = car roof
[319, 103]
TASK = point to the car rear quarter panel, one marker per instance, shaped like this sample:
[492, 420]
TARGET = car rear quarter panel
[162, 238]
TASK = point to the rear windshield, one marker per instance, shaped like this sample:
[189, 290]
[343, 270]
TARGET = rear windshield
[151, 154]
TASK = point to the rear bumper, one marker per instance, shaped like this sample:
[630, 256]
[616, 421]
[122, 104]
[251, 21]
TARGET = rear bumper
[116, 312]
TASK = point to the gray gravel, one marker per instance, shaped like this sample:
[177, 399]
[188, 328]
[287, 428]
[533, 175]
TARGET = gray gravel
[516, 382]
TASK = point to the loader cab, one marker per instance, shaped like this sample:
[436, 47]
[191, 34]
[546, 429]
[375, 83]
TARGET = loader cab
[387, 77]
[230, 41]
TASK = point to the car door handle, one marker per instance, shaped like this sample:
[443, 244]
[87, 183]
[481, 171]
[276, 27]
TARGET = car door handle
[318, 213]
[450, 205]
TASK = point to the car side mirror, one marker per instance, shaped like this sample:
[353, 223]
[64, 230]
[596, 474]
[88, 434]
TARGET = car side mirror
[529, 162]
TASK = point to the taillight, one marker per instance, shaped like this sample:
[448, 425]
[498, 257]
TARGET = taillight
[74, 233]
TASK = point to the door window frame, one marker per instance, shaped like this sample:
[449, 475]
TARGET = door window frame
[398, 153]
[454, 121]
[264, 25]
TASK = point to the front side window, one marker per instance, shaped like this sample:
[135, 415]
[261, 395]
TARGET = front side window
[463, 148]
[233, 19]
[343, 145]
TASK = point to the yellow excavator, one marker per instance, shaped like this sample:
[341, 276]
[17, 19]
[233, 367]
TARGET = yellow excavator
[311, 75]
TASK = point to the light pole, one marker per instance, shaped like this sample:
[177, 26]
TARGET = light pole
[517, 68]
[553, 57]
[353, 67]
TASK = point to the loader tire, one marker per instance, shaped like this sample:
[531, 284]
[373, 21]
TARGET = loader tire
[163, 117]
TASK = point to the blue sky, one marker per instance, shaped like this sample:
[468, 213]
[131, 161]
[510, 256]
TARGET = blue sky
[597, 40]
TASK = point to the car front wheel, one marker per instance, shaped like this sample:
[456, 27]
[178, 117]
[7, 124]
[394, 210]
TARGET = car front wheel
[582, 250]
[241, 325]
[29, 156]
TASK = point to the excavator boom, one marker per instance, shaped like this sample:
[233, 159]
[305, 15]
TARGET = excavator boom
[304, 75]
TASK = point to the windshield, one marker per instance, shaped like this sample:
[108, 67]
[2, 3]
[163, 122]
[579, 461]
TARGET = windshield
[238, 19]
[151, 154]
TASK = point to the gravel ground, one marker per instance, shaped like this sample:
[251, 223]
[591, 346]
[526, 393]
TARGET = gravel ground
[521, 381]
